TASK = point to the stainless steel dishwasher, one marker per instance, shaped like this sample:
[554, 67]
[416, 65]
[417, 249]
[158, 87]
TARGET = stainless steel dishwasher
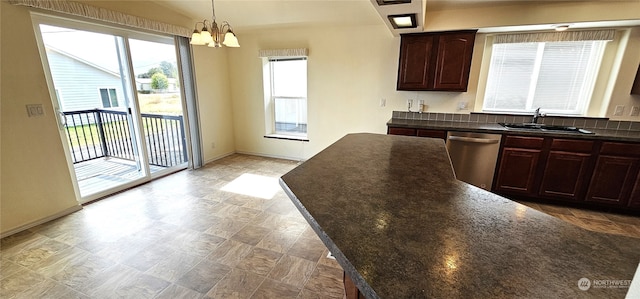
[474, 156]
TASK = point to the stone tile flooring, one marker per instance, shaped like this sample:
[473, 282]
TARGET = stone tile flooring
[618, 224]
[181, 236]
[224, 231]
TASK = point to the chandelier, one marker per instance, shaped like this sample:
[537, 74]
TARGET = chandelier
[213, 36]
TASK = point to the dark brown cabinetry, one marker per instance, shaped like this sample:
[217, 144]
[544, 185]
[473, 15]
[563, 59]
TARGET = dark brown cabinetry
[615, 174]
[634, 200]
[635, 89]
[435, 61]
[518, 164]
[417, 132]
[550, 168]
[401, 131]
[566, 170]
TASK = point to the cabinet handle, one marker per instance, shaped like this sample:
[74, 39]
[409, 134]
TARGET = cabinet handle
[473, 140]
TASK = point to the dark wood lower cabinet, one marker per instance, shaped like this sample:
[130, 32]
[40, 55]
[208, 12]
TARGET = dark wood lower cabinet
[351, 291]
[594, 173]
[613, 180]
[401, 131]
[565, 175]
[517, 171]
[634, 200]
[432, 133]
[417, 132]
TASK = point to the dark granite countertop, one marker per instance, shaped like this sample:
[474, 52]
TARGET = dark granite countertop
[599, 134]
[403, 227]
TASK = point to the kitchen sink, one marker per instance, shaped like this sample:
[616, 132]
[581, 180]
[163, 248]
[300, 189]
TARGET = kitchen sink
[544, 128]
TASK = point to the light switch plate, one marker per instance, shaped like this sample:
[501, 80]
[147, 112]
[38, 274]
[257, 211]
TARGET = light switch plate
[619, 110]
[635, 111]
[35, 110]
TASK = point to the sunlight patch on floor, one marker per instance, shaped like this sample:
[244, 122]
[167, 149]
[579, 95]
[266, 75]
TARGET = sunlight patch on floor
[253, 185]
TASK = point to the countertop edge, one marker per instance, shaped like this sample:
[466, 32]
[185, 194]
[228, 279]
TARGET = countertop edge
[348, 268]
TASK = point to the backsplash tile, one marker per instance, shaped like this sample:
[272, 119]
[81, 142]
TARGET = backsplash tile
[579, 122]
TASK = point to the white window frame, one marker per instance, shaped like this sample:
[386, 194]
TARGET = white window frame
[269, 101]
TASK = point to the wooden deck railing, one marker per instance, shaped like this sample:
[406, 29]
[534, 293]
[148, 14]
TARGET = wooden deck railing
[98, 133]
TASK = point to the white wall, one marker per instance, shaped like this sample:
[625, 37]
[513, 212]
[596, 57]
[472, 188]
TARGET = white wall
[35, 179]
[214, 102]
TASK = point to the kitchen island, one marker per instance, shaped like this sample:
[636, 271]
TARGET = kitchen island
[392, 213]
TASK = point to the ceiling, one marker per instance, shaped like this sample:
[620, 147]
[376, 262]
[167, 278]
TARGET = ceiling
[247, 15]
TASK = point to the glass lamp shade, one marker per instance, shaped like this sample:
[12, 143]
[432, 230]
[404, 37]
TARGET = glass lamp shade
[230, 40]
[196, 39]
[206, 37]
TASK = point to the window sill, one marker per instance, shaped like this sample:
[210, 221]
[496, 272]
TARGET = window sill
[287, 137]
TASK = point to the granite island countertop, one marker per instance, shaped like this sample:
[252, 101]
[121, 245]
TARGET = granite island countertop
[403, 227]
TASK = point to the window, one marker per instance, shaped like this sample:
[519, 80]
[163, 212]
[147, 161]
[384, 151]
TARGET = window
[557, 76]
[287, 90]
[109, 97]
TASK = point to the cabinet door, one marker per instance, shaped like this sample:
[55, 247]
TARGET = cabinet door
[401, 131]
[564, 175]
[517, 171]
[416, 53]
[612, 180]
[454, 60]
[634, 200]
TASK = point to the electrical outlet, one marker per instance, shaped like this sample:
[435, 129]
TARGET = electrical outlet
[619, 110]
[635, 111]
[462, 105]
[383, 102]
[35, 110]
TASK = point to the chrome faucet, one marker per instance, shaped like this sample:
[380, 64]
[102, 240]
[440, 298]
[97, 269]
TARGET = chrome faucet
[537, 115]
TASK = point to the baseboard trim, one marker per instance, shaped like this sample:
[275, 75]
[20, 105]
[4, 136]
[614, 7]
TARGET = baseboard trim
[270, 156]
[27, 226]
[219, 157]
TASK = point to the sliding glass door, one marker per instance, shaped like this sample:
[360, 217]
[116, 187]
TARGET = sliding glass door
[117, 95]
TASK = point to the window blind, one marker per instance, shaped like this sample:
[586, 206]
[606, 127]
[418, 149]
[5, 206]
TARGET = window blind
[557, 76]
[106, 15]
[283, 53]
[565, 36]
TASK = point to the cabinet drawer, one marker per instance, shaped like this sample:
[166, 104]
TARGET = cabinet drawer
[401, 131]
[524, 142]
[620, 149]
[432, 133]
[569, 145]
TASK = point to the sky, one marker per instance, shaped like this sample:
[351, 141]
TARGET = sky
[100, 49]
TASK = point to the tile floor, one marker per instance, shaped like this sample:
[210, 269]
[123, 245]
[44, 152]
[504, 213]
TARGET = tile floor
[180, 236]
[194, 235]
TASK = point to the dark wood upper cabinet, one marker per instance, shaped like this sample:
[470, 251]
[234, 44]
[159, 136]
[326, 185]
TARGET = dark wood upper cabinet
[415, 62]
[453, 61]
[635, 89]
[435, 61]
